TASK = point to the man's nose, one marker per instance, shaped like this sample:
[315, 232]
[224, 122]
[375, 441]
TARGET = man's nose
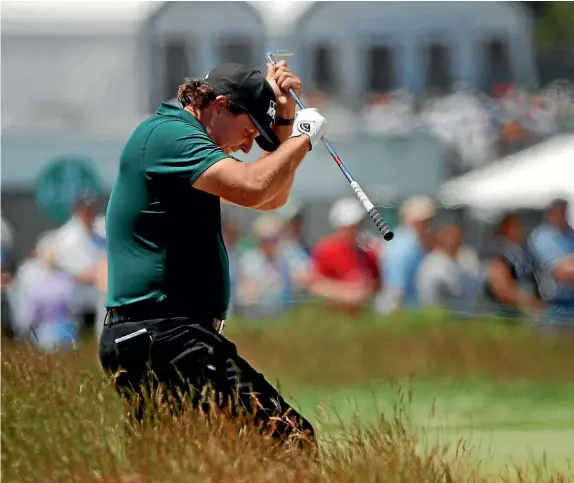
[247, 145]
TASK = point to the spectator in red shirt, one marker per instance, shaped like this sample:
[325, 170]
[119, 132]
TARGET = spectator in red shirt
[344, 270]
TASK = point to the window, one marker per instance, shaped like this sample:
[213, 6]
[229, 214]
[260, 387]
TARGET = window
[381, 75]
[177, 67]
[439, 73]
[324, 75]
[496, 63]
[238, 51]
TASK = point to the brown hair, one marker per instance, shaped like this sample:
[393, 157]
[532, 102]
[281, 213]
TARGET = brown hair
[197, 94]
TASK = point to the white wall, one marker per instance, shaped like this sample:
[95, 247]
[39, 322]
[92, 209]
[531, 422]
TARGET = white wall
[56, 79]
[70, 83]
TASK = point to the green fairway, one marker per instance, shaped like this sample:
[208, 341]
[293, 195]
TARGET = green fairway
[512, 422]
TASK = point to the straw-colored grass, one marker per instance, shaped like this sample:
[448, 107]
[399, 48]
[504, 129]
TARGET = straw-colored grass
[62, 422]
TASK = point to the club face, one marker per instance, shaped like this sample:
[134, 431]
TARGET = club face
[278, 53]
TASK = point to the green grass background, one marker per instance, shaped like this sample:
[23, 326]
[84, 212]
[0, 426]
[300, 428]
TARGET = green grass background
[502, 385]
[505, 424]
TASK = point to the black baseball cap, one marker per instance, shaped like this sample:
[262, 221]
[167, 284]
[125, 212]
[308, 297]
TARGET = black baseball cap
[249, 90]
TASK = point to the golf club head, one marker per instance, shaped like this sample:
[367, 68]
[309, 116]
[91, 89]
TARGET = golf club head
[278, 53]
[284, 53]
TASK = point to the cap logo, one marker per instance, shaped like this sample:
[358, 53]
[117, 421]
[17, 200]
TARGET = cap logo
[272, 110]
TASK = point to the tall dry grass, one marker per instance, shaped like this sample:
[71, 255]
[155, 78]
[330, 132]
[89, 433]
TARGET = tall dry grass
[62, 422]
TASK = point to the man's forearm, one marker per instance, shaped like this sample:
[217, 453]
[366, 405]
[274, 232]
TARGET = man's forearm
[253, 184]
[278, 201]
[274, 173]
[282, 194]
[279, 198]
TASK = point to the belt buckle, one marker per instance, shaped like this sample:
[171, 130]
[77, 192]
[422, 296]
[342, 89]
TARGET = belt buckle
[218, 325]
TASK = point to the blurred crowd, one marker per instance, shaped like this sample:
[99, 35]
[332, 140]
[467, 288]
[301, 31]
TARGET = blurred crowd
[480, 127]
[58, 292]
[427, 265]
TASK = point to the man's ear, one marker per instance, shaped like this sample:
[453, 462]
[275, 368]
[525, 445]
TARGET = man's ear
[219, 103]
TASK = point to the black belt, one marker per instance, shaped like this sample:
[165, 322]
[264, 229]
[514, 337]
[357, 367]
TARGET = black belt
[137, 314]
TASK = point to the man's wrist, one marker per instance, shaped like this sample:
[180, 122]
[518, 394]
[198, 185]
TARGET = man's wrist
[286, 112]
[282, 121]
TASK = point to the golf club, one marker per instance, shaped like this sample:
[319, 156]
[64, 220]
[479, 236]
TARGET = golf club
[381, 225]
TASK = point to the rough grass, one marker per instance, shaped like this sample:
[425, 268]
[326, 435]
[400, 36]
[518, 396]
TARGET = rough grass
[332, 350]
[62, 422]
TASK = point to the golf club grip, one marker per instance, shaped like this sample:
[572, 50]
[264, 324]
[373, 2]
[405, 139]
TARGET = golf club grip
[381, 225]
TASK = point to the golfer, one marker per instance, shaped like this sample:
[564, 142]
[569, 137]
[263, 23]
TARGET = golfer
[168, 270]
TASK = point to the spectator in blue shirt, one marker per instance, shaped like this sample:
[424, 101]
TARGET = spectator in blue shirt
[402, 257]
[553, 247]
[264, 278]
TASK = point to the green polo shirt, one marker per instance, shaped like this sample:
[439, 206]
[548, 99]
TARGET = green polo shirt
[164, 237]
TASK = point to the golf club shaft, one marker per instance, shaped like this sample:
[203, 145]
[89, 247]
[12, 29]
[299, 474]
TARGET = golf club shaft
[381, 225]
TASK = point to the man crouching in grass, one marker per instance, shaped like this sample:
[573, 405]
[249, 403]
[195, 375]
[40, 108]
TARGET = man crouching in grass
[168, 284]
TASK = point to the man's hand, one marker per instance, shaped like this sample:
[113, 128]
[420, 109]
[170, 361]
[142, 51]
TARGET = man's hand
[282, 79]
[309, 122]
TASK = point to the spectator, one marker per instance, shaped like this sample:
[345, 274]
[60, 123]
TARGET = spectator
[293, 247]
[21, 290]
[344, 272]
[231, 233]
[461, 121]
[389, 114]
[509, 285]
[42, 300]
[292, 216]
[403, 256]
[442, 279]
[101, 274]
[553, 247]
[468, 260]
[77, 253]
[539, 120]
[264, 280]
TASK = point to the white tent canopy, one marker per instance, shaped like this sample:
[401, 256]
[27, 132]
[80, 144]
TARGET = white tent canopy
[527, 180]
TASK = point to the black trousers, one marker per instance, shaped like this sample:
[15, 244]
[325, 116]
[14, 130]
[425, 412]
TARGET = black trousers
[183, 358]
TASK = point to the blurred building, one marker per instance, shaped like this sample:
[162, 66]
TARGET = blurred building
[184, 39]
[354, 48]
